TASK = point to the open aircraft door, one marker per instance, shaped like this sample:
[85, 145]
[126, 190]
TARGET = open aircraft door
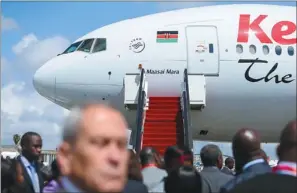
[202, 50]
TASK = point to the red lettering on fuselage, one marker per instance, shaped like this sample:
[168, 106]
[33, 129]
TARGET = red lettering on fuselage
[279, 30]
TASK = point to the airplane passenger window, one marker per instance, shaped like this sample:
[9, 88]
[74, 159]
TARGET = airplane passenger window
[253, 49]
[278, 50]
[72, 47]
[100, 45]
[239, 48]
[86, 45]
[290, 50]
[265, 49]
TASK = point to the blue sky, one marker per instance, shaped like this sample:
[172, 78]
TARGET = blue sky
[33, 32]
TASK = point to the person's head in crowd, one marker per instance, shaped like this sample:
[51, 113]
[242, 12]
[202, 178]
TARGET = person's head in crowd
[211, 156]
[149, 156]
[264, 156]
[172, 158]
[31, 144]
[93, 154]
[246, 147]
[229, 163]
[185, 179]
[287, 148]
[188, 156]
[134, 167]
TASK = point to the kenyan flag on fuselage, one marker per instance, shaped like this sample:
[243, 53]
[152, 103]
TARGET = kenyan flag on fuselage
[167, 36]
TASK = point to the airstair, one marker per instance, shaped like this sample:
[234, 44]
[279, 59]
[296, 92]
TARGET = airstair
[163, 121]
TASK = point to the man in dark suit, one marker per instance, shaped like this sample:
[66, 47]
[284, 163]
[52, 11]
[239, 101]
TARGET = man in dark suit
[285, 178]
[93, 155]
[229, 165]
[173, 158]
[134, 186]
[246, 147]
[212, 177]
[267, 183]
[25, 169]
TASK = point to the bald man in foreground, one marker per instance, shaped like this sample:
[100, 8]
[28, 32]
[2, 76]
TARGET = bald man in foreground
[284, 179]
[249, 162]
[93, 156]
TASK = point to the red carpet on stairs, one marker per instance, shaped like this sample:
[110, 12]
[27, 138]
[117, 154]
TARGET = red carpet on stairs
[163, 123]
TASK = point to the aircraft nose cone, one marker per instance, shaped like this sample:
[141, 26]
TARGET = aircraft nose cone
[44, 81]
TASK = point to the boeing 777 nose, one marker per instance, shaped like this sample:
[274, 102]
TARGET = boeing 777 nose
[44, 81]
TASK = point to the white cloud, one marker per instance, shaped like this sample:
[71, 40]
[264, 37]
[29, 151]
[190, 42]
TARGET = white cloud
[22, 108]
[26, 41]
[23, 111]
[8, 24]
[34, 52]
[4, 63]
[11, 104]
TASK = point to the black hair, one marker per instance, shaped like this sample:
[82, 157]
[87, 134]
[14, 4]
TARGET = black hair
[210, 154]
[25, 140]
[228, 160]
[147, 155]
[185, 179]
[172, 152]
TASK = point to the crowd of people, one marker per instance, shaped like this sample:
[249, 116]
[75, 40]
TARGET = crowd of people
[93, 157]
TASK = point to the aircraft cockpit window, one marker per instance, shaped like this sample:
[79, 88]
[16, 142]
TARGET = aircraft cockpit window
[100, 45]
[86, 45]
[278, 50]
[72, 47]
[290, 50]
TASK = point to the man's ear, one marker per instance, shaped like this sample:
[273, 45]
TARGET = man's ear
[64, 157]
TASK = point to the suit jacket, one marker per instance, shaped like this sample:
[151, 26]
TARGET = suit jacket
[213, 179]
[248, 173]
[267, 183]
[132, 186]
[22, 183]
[226, 170]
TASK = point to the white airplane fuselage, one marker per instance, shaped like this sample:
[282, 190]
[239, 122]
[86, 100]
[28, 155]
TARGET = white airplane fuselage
[215, 41]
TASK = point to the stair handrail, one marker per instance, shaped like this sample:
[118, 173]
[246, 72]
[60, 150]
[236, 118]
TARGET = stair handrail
[186, 82]
[142, 99]
[186, 111]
